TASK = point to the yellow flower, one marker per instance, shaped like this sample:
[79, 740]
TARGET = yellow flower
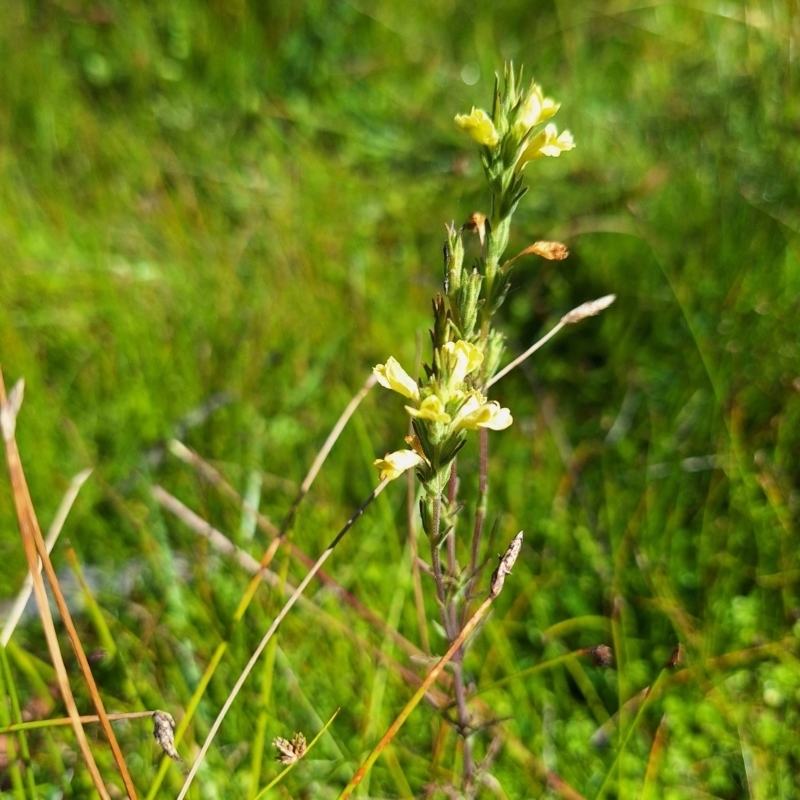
[479, 126]
[477, 413]
[393, 376]
[462, 358]
[430, 408]
[535, 109]
[548, 142]
[393, 465]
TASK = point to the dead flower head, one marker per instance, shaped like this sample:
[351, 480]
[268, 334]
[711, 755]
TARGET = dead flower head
[505, 566]
[602, 655]
[676, 658]
[589, 309]
[164, 733]
[289, 752]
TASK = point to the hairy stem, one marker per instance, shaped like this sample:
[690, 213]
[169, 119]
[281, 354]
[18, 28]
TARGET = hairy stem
[480, 516]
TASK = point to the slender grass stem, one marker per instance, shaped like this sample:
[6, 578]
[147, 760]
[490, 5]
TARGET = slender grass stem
[626, 738]
[221, 542]
[66, 721]
[527, 354]
[480, 516]
[268, 635]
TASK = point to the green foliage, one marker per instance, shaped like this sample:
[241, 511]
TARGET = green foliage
[216, 218]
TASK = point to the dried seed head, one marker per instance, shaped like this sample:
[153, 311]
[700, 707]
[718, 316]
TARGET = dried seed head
[676, 657]
[602, 656]
[552, 251]
[505, 565]
[164, 733]
[588, 309]
[289, 752]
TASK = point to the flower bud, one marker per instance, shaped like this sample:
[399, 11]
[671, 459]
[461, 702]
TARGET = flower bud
[460, 358]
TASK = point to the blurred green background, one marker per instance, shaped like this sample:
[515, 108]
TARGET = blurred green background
[216, 217]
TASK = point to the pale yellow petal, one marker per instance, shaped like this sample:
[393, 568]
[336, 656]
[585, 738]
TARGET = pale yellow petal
[488, 415]
[479, 126]
[546, 143]
[430, 408]
[394, 377]
[393, 465]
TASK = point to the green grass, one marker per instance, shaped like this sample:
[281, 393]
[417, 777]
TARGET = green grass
[235, 198]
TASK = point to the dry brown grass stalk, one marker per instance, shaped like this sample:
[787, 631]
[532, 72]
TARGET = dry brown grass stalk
[280, 537]
[206, 470]
[224, 545]
[86, 719]
[31, 537]
[583, 311]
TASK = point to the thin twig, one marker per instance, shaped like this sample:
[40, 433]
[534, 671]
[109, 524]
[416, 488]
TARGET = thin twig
[196, 523]
[284, 611]
[326, 448]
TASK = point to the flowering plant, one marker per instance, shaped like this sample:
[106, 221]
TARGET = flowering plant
[451, 400]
